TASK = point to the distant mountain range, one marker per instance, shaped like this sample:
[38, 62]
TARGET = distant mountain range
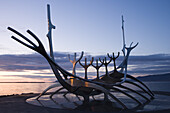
[159, 77]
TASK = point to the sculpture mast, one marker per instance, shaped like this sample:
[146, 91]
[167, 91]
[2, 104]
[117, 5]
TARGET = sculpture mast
[123, 50]
[49, 34]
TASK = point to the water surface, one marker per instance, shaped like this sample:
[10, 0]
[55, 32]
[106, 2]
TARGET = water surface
[18, 88]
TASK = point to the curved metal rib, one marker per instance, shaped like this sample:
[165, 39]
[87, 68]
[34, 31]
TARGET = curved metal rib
[127, 95]
[121, 103]
[140, 88]
[133, 78]
[56, 92]
[50, 87]
[124, 87]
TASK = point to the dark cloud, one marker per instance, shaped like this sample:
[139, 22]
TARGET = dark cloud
[22, 62]
[151, 64]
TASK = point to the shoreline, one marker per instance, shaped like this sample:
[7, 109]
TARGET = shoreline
[17, 104]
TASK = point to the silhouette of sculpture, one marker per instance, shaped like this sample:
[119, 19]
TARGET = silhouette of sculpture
[114, 59]
[106, 84]
[74, 62]
[49, 34]
[105, 63]
[85, 66]
[97, 67]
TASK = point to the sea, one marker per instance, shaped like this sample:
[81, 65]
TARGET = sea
[19, 88]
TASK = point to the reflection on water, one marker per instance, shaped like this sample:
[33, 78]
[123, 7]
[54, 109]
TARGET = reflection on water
[159, 86]
[18, 88]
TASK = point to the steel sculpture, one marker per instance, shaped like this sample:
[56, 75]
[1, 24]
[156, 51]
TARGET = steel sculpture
[107, 83]
[105, 63]
[114, 59]
[80, 86]
[49, 34]
[85, 66]
[74, 62]
[97, 67]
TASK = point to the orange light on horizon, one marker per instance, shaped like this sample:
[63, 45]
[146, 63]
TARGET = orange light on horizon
[23, 76]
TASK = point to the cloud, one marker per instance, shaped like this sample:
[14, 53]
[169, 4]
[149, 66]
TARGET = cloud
[151, 64]
[31, 62]
[22, 62]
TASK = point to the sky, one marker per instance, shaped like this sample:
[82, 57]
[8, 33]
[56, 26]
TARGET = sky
[92, 26]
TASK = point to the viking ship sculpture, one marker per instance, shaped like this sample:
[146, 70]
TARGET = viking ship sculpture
[105, 84]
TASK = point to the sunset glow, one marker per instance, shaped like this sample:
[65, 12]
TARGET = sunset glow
[27, 76]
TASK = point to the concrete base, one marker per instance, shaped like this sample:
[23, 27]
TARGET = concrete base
[72, 102]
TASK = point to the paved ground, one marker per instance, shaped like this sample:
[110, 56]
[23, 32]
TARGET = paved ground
[17, 104]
